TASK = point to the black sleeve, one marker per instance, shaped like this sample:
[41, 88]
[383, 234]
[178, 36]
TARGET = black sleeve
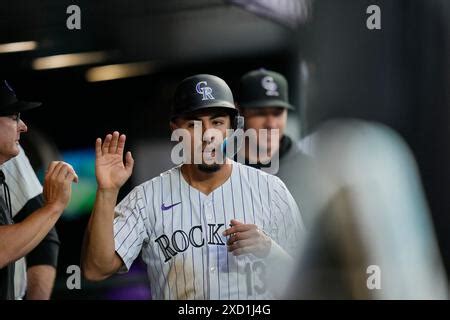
[46, 253]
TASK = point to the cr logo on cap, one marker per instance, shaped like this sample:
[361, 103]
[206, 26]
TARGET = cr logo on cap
[270, 85]
[205, 91]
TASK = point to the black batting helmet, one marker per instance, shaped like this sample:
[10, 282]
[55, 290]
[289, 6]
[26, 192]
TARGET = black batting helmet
[202, 91]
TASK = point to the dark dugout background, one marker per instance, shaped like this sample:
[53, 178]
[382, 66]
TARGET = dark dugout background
[336, 67]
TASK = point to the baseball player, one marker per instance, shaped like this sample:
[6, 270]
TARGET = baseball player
[205, 231]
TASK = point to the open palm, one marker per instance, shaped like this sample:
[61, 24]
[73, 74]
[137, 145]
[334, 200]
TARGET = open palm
[110, 170]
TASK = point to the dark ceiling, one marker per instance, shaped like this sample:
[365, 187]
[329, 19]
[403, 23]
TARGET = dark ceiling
[169, 31]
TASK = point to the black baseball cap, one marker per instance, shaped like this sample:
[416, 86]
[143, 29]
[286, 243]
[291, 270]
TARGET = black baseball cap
[202, 91]
[9, 104]
[264, 88]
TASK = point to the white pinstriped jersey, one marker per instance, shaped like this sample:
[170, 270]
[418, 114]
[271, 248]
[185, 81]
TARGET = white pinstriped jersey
[179, 229]
[22, 181]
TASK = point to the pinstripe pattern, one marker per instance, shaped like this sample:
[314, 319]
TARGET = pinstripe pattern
[217, 251]
[22, 181]
[228, 265]
[192, 247]
[173, 216]
[205, 293]
[234, 217]
[182, 226]
[178, 229]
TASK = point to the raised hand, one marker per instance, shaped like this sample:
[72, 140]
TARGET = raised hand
[58, 184]
[110, 170]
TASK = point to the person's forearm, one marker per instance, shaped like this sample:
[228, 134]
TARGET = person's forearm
[17, 240]
[99, 259]
[40, 280]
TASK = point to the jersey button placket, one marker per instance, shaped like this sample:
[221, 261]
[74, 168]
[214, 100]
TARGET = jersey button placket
[208, 210]
[211, 249]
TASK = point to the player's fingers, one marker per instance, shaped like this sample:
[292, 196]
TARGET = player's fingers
[239, 236]
[63, 171]
[114, 142]
[75, 178]
[51, 167]
[57, 169]
[238, 228]
[240, 244]
[235, 222]
[98, 147]
[121, 144]
[230, 231]
[106, 143]
[71, 175]
[129, 162]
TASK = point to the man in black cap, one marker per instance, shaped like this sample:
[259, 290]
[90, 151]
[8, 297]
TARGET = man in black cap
[17, 240]
[206, 229]
[264, 103]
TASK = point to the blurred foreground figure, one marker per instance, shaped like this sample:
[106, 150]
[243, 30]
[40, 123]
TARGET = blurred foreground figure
[375, 238]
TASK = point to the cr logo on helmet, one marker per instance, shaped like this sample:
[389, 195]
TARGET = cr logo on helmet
[204, 90]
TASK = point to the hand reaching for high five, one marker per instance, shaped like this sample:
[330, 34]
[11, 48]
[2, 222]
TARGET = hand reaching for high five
[110, 170]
